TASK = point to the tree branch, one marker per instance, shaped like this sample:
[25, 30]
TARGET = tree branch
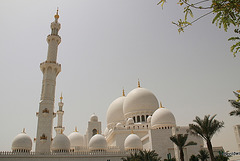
[193, 5]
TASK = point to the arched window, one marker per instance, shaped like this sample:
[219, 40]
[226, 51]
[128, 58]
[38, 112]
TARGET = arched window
[146, 117]
[143, 118]
[94, 132]
[138, 118]
[134, 119]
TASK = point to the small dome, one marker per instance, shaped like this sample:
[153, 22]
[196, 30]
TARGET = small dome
[133, 142]
[98, 143]
[162, 117]
[149, 119]
[60, 143]
[115, 111]
[94, 118]
[130, 121]
[119, 126]
[22, 143]
[140, 100]
[76, 139]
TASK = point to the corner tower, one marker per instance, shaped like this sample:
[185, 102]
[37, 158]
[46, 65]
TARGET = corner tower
[50, 69]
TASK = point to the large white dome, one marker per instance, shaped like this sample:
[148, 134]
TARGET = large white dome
[76, 139]
[115, 111]
[60, 143]
[22, 143]
[140, 100]
[133, 142]
[98, 143]
[162, 118]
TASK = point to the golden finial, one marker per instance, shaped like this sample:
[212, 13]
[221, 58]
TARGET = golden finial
[161, 105]
[61, 131]
[132, 132]
[123, 92]
[139, 84]
[61, 98]
[76, 129]
[56, 16]
[23, 131]
[97, 132]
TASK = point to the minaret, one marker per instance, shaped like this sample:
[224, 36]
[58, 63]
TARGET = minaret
[50, 69]
[59, 129]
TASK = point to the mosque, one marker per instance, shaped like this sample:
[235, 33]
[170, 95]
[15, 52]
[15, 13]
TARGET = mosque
[136, 121]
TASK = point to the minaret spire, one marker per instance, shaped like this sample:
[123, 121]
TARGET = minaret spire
[50, 69]
[56, 16]
[59, 128]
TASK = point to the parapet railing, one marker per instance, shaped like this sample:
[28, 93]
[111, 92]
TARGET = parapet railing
[65, 153]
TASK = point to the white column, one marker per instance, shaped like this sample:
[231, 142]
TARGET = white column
[50, 70]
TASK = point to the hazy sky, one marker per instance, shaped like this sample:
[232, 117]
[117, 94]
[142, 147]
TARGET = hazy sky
[107, 45]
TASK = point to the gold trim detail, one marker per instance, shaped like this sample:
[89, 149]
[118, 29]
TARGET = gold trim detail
[139, 84]
[123, 92]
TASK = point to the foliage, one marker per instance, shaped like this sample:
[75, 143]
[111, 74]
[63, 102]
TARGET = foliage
[172, 159]
[193, 158]
[221, 157]
[203, 155]
[236, 105]
[206, 128]
[143, 156]
[180, 141]
[227, 13]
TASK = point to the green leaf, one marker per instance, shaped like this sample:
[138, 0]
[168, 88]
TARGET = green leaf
[233, 38]
[161, 2]
[216, 17]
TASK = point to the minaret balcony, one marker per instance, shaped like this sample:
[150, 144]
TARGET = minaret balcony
[60, 112]
[52, 37]
[50, 65]
[59, 128]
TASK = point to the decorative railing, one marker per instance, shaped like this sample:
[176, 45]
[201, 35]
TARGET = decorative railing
[83, 153]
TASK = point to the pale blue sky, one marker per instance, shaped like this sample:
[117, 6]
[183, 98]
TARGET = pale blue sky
[107, 45]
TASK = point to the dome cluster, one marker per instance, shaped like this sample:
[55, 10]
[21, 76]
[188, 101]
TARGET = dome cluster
[139, 107]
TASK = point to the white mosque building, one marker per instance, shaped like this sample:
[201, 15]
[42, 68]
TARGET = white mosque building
[135, 122]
